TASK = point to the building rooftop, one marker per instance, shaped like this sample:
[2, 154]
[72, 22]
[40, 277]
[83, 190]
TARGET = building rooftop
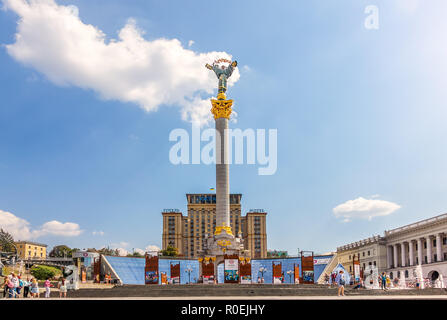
[417, 224]
[257, 211]
[361, 243]
[31, 242]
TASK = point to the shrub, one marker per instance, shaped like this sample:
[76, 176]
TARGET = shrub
[44, 272]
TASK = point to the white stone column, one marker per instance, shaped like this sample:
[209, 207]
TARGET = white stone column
[395, 255]
[222, 174]
[439, 247]
[389, 256]
[411, 252]
[419, 242]
[428, 239]
[403, 254]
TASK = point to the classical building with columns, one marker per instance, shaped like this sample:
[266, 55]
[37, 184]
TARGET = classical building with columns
[423, 242]
[401, 250]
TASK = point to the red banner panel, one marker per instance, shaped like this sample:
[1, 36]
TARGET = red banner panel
[151, 270]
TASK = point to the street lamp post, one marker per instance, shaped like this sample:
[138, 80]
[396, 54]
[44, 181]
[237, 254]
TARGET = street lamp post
[189, 270]
[290, 272]
[262, 270]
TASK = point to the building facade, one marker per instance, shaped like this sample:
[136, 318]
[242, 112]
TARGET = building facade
[369, 252]
[424, 243]
[31, 250]
[188, 233]
[255, 233]
[402, 250]
[172, 229]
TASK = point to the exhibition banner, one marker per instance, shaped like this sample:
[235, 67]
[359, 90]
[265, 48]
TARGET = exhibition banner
[151, 277]
[245, 279]
[231, 270]
[357, 272]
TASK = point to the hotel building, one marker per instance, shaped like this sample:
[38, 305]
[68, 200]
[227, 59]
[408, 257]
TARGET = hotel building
[187, 233]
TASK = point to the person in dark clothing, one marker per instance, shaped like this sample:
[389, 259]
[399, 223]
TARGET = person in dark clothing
[26, 288]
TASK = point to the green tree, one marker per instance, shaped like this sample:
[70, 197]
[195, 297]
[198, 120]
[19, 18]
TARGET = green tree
[135, 254]
[44, 272]
[170, 251]
[107, 251]
[61, 251]
[6, 241]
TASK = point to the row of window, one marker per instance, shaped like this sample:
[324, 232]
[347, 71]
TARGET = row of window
[211, 198]
[29, 247]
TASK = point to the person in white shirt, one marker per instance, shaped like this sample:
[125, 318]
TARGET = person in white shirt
[15, 281]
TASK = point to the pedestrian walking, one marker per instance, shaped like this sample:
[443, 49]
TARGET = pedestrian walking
[19, 286]
[15, 285]
[9, 287]
[62, 288]
[383, 280]
[47, 285]
[34, 288]
[5, 286]
[341, 280]
[333, 277]
[26, 284]
[326, 279]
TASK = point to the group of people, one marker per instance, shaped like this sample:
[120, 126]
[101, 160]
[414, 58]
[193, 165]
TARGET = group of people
[16, 287]
[339, 279]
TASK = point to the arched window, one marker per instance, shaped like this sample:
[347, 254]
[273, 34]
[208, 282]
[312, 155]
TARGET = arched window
[406, 273]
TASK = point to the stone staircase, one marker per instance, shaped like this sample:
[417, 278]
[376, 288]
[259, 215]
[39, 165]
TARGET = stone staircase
[232, 290]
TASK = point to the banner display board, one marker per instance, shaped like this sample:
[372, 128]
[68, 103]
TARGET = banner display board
[208, 279]
[357, 272]
[175, 272]
[321, 261]
[151, 277]
[245, 271]
[296, 273]
[151, 270]
[231, 270]
[277, 272]
[246, 279]
[164, 278]
[207, 271]
[307, 267]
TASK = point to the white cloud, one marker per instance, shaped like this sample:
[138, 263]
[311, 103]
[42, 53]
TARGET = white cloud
[364, 209]
[98, 233]
[52, 39]
[190, 43]
[20, 228]
[122, 252]
[140, 251]
[152, 248]
[68, 229]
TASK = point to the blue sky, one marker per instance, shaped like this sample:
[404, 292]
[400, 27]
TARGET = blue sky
[360, 114]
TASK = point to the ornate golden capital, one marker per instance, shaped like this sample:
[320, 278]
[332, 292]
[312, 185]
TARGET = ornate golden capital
[221, 107]
[226, 228]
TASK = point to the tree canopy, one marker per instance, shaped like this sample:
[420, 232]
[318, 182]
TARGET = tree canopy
[170, 251]
[6, 241]
[61, 251]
